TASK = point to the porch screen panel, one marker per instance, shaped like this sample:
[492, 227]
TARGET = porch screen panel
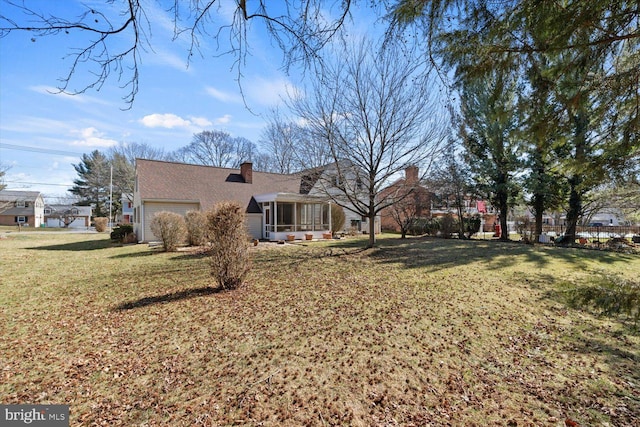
[305, 216]
[285, 217]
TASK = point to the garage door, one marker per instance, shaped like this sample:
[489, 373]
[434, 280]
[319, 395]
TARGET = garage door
[151, 208]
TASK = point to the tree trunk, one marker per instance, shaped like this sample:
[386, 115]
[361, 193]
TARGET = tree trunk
[575, 210]
[372, 229]
[538, 209]
[575, 197]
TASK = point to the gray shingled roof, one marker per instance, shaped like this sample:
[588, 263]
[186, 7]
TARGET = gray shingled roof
[16, 195]
[160, 180]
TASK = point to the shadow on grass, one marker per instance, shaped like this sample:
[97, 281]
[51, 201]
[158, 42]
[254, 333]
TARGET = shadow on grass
[90, 245]
[166, 298]
[136, 254]
[435, 253]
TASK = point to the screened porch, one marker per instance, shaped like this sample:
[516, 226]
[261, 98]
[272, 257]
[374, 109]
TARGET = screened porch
[287, 214]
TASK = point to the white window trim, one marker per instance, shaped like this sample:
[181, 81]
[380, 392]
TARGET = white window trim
[20, 204]
[24, 218]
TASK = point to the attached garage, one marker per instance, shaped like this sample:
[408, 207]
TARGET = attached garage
[149, 209]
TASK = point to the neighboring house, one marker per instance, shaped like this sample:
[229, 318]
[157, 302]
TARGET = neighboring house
[21, 208]
[127, 209]
[276, 205]
[411, 200]
[67, 216]
[331, 180]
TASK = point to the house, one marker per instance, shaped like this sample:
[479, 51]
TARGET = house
[21, 208]
[127, 209]
[334, 180]
[67, 216]
[410, 199]
[276, 205]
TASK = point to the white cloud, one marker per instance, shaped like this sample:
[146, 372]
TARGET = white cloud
[90, 137]
[223, 120]
[200, 121]
[168, 121]
[223, 96]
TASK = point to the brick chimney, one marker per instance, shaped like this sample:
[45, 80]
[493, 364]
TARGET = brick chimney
[246, 170]
[411, 175]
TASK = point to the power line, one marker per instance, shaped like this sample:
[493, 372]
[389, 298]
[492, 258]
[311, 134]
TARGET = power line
[39, 150]
[37, 183]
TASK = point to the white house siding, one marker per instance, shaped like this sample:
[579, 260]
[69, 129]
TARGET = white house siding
[151, 208]
[77, 223]
[254, 225]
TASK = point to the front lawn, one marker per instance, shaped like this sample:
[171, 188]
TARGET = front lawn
[415, 332]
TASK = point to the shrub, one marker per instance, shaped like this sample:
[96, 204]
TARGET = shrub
[100, 223]
[230, 261]
[471, 225]
[196, 228]
[123, 233]
[612, 295]
[524, 227]
[448, 226]
[170, 228]
[337, 218]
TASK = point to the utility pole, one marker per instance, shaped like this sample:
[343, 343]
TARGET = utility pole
[110, 197]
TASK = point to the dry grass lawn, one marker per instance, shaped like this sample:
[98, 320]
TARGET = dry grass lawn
[416, 332]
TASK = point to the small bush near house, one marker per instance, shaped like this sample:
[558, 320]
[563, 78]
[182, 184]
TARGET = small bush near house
[230, 262]
[123, 234]
[100, 223]
[170, 228]
[337, 218]
[196, 228]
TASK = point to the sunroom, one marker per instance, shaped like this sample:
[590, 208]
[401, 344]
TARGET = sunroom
[291, 216]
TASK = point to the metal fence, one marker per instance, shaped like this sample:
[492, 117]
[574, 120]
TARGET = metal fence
[596, 233]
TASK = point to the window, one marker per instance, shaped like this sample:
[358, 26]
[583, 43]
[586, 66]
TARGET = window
[21, 219]
[129, 204]
[21, 204]
[74, 211]
[47, 211]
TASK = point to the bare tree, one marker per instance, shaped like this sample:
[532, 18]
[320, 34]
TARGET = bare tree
[452, 181]
[4, 205]
[136, 150]
[279, 140]
[375, 108]
[410, 202]
[65, 216]
[299, 28]
[291, 146]
[217, 148]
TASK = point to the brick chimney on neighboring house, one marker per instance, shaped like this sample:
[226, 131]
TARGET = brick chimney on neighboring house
[411, 175]
[246, 170]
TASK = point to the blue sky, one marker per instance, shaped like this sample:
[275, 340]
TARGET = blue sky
[174, 100]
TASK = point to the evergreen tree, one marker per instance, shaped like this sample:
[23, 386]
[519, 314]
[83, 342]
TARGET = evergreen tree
[93, 183]
[488, 133]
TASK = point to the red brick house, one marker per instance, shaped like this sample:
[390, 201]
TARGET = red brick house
[409, 200]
